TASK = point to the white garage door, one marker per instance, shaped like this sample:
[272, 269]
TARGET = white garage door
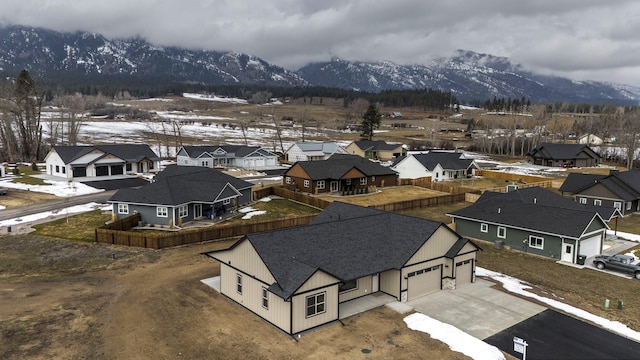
[423, 282]
[590, 246]
[464, 272]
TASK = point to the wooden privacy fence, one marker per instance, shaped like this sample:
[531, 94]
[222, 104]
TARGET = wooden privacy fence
[420, 203]
[512, 177]
[300, 197]
[196, 235]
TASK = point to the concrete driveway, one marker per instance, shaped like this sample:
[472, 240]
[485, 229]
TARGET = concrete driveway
[477, 309]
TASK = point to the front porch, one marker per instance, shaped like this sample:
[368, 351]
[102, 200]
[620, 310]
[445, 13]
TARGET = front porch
[364, 303]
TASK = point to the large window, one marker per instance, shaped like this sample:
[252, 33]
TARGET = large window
[536, 242]
[306, 183]
[363, 181]
[162, 211]
[484, 228]
[316, 304]
[239, 283]
[348, 285]
[320, 184]
[265, 298]
[123, 208]
[502, 232]
[183, 211]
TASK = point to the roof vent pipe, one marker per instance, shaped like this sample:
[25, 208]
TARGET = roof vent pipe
[535, 200]
[498, 210]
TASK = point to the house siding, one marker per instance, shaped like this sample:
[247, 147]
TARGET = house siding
[390, 283]
[298, 303]
[364, 288]
[437, 245]
[245, 257]
[278, 313]
[410, 168]
[318, 280]
[514, 238]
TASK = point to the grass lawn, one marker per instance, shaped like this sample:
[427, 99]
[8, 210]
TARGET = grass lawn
[275, 209]
[385, 195]
[78, 227]
[629, 224]
[26, 178]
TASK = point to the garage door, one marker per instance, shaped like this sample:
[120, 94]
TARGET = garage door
[422, 282]
[590, 246]
[464, 272]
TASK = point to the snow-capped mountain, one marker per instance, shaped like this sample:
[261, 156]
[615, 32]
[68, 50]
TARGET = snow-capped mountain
[470, 76]
[50, 54]
[91, 59]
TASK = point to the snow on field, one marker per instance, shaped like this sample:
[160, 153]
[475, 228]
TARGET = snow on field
[58, 188]
[214, 98]
[61, 212]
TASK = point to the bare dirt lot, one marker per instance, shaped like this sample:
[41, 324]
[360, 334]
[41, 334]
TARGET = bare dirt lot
[69, 300]
[17, 198]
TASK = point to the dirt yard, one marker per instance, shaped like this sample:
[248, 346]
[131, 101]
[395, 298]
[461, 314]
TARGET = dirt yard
[386, 195]
[17, 198]
[69, 300]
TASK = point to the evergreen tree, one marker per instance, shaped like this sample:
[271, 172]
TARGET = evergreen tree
[370, 122]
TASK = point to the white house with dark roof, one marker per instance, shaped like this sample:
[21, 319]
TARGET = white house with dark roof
[301, 278]
[227, 156]
[439, 165]
[95, 161]
[182, 193]
[313, 151]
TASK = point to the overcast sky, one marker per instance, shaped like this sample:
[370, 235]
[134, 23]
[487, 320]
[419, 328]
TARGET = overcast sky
[580, 39]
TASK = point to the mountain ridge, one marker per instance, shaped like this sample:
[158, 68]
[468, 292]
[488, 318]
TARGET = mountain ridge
[84, 56]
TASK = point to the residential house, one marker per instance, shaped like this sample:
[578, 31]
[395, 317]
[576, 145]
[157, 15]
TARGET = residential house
[313, 151]
[536, 221]
[590, 139]
[376, 149]
[301, 278]
[93, 161]
[182, 193]
[339, 173]
[620, 190]
[438, 165]
[227, 156]
[568, 155]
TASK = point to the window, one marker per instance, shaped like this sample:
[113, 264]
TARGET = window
[363, 181]
[128, 166]
[348, 285]
[484, 228]
[162, 211]
[617, 205]
[64, 170]
[536, 242]
[239, 283]
[287, 180]
[502, 232]
[183, 211]
[226, 201]
[373, 179]
[265, 298]
[348, 181]
[583, 201]
[151, 165]
[57, 168]
[123, 208]
[629, 205]
[306, 183]
[315, 304]
[597, 202]
[320, 184]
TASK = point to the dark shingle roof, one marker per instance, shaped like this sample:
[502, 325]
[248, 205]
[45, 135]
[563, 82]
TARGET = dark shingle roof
[548, 213]
[377, 145]
[448, 160]
[561, 151]
[177, 185]
[339, 164]
[127, 152]
[237, 150]
[576, 181]
[346, 241]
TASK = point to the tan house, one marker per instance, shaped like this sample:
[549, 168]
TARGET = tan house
[300, 278]
[376, 149]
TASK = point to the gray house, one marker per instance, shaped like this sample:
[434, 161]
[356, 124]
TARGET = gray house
[299, 278]
[567, 155]
[620, 190]
[226, 156]
[536, 221]
[182, 193]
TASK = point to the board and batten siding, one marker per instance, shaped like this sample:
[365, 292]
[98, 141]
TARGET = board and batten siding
[245, 257]
[298, 302]
[278, 312]
[390, 283]
[318, 280]
[363, 288]
[437, 245]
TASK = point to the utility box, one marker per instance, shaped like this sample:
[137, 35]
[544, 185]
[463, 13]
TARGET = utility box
[581, 259]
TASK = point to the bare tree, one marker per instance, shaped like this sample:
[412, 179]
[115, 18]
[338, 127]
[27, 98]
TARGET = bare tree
[628, 133]
[73, 114]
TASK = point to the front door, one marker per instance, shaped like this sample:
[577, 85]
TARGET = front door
[567, 253]
[197, 211]
[334, 186]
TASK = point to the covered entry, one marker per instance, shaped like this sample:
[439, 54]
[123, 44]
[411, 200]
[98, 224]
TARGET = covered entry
[464, 272]
[423, 282]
